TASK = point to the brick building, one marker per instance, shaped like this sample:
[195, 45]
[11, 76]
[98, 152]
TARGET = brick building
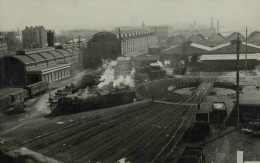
[34, 37]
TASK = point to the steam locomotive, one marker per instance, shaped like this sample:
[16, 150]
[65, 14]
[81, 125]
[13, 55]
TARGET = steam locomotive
[94, 99]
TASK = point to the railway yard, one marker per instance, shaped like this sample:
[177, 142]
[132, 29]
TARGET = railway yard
[150, 130]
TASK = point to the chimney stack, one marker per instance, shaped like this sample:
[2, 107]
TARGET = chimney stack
[217, 26]
[211, 22]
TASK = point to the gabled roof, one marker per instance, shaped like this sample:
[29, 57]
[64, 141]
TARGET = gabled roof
[216, 35]
[234, 36]
[24, 59]
[220, 46]
[203, 47]
[253, 34]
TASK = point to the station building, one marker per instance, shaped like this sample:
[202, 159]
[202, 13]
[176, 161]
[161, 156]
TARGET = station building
[192, 53]
[31, 66]
[110, 45]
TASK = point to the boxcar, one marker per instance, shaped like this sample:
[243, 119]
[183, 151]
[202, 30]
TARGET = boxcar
[5, 102]
[37, 88]
[20, 95]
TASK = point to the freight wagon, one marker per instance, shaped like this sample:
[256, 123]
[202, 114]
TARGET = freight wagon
[201, 126]
[37, 88]
[5, 102]
[14, 103]
[29, 91]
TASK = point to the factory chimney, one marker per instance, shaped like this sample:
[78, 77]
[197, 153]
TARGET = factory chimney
[217, 26]
[119, 33]
[211, 22]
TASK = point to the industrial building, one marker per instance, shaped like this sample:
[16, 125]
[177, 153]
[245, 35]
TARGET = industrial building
[198, 38]
[175, 40]
[110, 45]
[254, 38]
[3, 46]
[222, 62]
[191, 52]
[233, 36]
[31, 66]
[50, 38]
[215, 39]
[34, 37]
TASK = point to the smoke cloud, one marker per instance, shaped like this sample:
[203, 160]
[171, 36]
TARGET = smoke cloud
[109, 76]
[161, 64]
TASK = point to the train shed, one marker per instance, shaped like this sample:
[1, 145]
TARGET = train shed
[31, 66]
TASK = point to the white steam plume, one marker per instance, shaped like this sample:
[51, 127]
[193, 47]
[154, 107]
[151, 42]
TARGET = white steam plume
[109, 76]
[161, 64]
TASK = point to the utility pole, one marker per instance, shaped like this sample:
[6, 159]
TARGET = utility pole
[80, 56]
[79, 42]
[246, 53]
[238, 42]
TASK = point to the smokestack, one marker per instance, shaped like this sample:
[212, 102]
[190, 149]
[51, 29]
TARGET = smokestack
[218, 26]
[211, 22]
[119, 33]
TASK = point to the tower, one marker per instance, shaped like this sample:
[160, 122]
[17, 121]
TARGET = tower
[211, 23]
[143, 25]
[217, 26]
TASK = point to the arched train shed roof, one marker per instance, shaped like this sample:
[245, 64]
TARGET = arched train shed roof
[43, 54]
[125, 35]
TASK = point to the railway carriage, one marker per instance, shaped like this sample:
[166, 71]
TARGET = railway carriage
[37, 88]
[5, 102]
[20, 95]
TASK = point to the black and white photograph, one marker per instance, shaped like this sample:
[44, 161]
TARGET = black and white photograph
[129, 81]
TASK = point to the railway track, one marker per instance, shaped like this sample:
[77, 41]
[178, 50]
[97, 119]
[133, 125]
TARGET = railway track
[145, 132]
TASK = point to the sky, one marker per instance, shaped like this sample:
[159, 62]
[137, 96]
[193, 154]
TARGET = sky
[103, 14]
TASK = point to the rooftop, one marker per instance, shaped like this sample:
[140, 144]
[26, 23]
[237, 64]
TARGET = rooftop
[207, 57]
[49, 68]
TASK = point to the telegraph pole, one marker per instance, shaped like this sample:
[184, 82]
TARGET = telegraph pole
[79, 42]
[246, 53]
[238, 42]
[80, 56]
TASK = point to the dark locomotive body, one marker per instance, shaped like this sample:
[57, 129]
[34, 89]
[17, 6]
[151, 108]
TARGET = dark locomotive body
[95, 99]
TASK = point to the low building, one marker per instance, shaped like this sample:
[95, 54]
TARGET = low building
[233, 36]
[254, 38]
[226, 62]
[198, 38]
[175, 40]
[215, 39]
[31, 66]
